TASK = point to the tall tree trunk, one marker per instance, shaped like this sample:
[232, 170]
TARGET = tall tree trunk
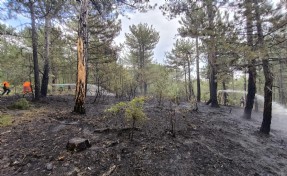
[267, 111]
[197, 70]
[82, 58]
[281, 88]
[86, 53]
[145, 88]
[251, 91]
[45, 79]
[35, 50]
[144, 72]
[224, 93]
[185, 82]
[251, 88]
[190, 89]
[212, 57]
[141, 68]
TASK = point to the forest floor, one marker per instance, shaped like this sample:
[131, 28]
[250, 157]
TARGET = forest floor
[212, 141]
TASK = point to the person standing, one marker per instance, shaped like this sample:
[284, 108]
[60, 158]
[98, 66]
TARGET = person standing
[6, 88]
[27, 87]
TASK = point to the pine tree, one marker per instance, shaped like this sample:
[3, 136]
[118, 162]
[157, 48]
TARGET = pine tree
[141, 40]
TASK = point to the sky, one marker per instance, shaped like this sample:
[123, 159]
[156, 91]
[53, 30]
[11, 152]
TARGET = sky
[167, 29]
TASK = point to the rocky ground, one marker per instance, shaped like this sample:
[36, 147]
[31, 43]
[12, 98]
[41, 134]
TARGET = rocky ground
[208, 142]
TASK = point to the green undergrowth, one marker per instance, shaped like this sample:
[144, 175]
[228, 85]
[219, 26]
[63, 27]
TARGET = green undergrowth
[5, 120]
[22, 104]
[132, 111]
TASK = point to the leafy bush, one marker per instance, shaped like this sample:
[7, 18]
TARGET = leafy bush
[20, 104]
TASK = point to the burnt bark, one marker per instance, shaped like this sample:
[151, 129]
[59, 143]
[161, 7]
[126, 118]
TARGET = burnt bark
[143, 68]
[190, 88]
[224, 94]
[197, 71]
[282, 98]
[267, 112]
[49, 9]
[251, 88]
[251, 91]
[212, 57]
[35, 50]
[45, 79]
[78, 144]
[82, 59]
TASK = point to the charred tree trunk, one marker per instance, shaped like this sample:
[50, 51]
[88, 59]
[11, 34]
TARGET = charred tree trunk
[213, 88]
[251, 88]
[251, 92]
[281, 88]
[185, 83]
[267, 111]
[190, 88]
[144, 72]
[224, 94]
[141, 70]
[82, 58]
[197, 71]
[212, 57]
[145, 88]
[35, 50]
[45, 79]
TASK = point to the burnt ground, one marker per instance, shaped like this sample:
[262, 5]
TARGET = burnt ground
[208, 142]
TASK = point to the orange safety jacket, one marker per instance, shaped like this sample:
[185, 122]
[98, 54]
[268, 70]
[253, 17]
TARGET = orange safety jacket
[6, 83]
[27, 87]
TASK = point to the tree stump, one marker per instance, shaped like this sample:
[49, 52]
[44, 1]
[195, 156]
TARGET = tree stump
[78, 144]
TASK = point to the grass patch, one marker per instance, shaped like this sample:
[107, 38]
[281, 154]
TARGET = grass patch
[20, 104]
[5, 120]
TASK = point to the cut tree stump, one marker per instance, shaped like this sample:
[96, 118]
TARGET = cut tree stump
[78, 144]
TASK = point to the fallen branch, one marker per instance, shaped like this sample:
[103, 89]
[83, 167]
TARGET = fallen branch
[6, 132]
[110, 171]
[114, 130]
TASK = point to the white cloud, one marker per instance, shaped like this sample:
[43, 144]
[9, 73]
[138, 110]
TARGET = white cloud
[166, 28]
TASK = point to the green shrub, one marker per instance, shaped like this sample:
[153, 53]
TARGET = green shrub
[20, 104]
[132, 110]
[5, 120]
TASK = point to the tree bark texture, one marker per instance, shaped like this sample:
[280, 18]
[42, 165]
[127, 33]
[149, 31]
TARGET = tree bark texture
[78, 144]
[197, 71]
[185, 82]
[251, 91]
[267, 111]
[190, 88]
[282, 98]
[143, 69]
[82, 54]
[212, 57]
[45, 79]
[224, 94]
[251, 88]
[35, 50]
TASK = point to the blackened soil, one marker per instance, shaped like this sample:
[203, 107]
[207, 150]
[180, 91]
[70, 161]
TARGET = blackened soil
[208, 142]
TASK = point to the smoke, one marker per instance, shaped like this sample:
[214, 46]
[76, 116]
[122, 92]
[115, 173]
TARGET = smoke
[279, 112]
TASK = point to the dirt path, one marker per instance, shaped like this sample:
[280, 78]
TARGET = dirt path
[208, 142]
